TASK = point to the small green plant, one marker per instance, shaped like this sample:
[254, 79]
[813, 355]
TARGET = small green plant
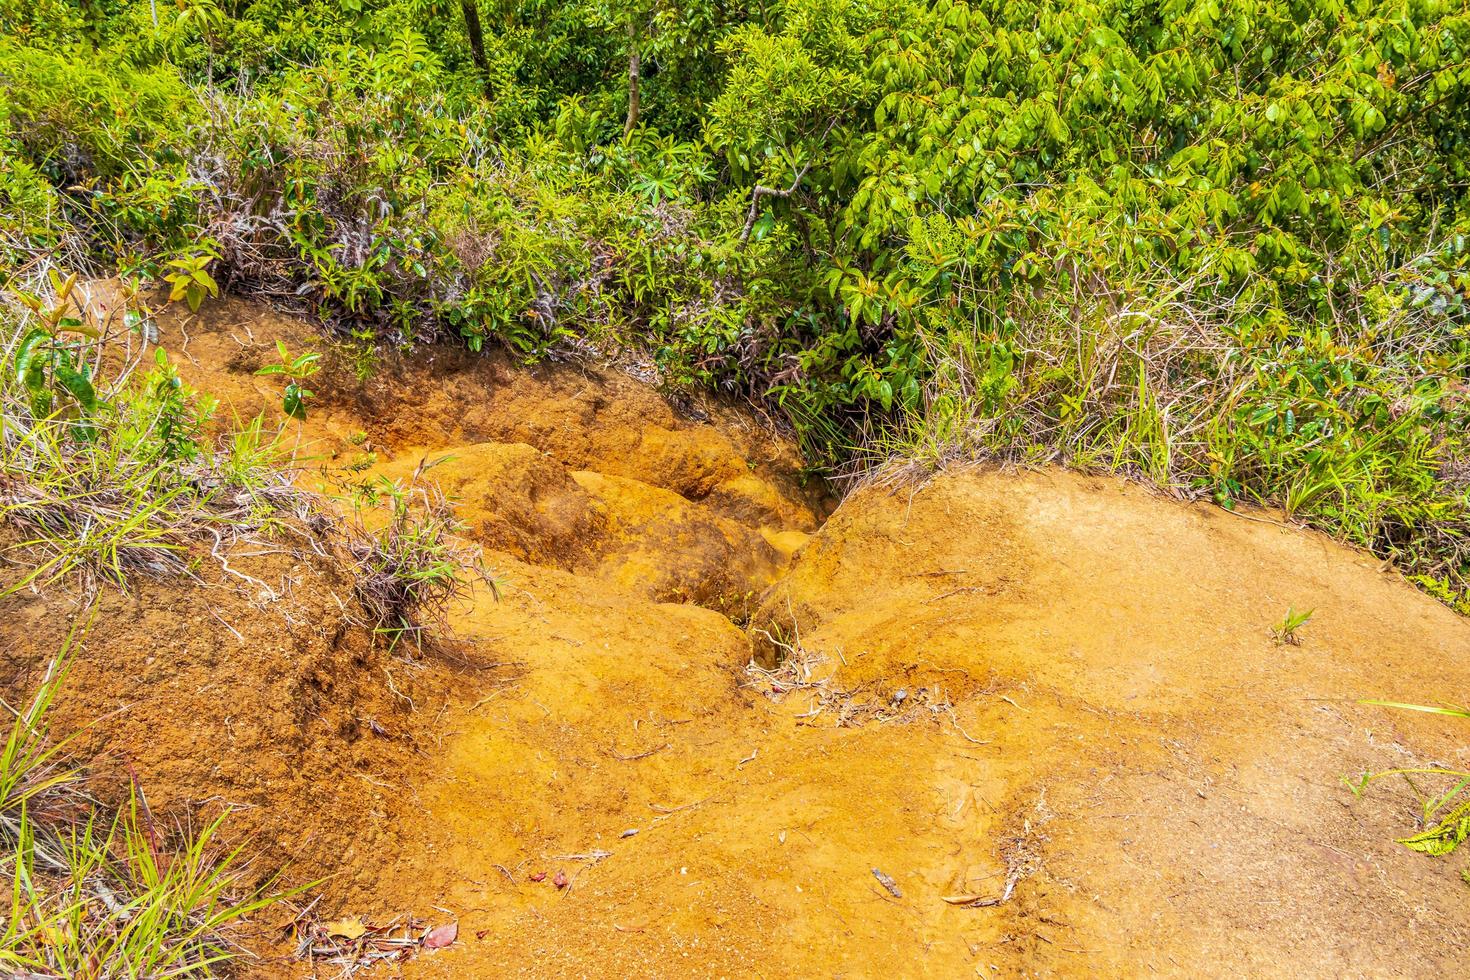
[190, 280]
[361, 353]
[1286, 631]
[1445, 814]
[51, 367]
[295, 370]
[361, 463]
[163, 411]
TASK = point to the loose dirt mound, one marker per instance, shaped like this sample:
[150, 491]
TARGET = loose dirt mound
[1055, 695]
[259, 696]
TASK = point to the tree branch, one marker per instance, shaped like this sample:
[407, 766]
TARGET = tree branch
[760, 191]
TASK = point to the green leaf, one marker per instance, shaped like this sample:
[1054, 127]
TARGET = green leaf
[35, 383]
[25, 353]
[77, 384]
[1444, 836]
[293, 401]
[1452, 712]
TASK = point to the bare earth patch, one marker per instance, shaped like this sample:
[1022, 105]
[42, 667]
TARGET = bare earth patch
[1001, 724]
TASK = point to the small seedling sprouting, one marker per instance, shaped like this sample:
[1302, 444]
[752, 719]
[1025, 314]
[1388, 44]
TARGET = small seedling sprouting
[1286, 630]
[296, 370]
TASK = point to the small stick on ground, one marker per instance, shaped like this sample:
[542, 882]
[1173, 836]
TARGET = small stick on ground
[593, 856]
[486, 699]
[985, 903]
[667, 811]
[641, 755]
[888, 883]
[227, 625]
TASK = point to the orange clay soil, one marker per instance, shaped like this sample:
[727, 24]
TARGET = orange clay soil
[1055, 694]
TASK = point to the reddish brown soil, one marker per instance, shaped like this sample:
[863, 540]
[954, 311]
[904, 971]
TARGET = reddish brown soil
[215, 694]
[1092, 708]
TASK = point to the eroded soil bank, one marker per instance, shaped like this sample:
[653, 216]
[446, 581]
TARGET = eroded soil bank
[1053, 694]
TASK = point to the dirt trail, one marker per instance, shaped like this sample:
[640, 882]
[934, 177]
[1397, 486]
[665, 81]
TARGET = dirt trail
[1050, 688]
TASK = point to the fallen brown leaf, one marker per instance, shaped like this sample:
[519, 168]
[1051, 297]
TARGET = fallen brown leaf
[352, 928]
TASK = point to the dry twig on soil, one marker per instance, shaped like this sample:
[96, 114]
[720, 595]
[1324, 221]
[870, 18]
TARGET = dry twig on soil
[355, 945]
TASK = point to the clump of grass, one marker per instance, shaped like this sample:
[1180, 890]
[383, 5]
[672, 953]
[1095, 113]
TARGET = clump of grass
[1445, 814]
[1286, 631]
[1348, 429]
[30, 764]
[105, 468]
[100, 897]
[408, 571]
[122, 480]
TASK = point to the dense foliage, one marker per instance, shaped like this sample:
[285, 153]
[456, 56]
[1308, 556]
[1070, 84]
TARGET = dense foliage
[1217, 244]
